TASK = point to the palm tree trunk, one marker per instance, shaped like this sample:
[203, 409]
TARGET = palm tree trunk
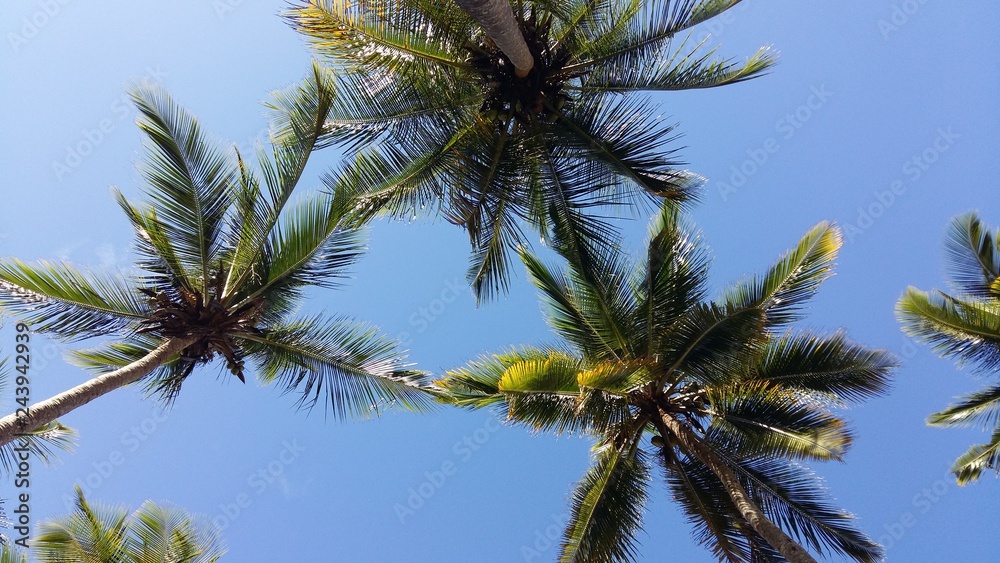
[52, 408]
[771, 533]
[498, 21]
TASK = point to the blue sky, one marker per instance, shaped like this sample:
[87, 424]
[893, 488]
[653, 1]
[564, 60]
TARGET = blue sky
[882, 116]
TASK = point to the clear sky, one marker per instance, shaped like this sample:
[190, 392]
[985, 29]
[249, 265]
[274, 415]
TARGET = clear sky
[868, 93]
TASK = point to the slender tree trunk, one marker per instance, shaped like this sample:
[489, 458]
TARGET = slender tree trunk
[52, 408]
[771, 533]
[497, 19]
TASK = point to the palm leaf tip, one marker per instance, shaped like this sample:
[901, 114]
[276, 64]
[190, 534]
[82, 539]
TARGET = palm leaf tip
[980, 458]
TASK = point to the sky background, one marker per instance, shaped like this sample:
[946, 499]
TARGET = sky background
[869, 85]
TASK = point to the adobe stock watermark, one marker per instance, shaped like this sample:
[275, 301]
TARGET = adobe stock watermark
[258, 482]
[717, 25]
[224, 7]
[786, 128]
[921, 503]
[131, 440]
[425, 315]
[32, 25]
[912, 170]
[899, 16]
[462, 450]
[545, 539]
[92, 137]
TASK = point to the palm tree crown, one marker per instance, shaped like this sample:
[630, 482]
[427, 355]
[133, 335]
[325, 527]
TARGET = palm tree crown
[225, 255]
[965, 325]
[151, 534]
[727, 405]
[438, 117]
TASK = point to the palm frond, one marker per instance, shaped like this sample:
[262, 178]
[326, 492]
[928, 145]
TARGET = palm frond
[12, 554]
[400, 180]
[188, 181]
[831, 366]
[377, 107]
[782, 291]
[377, 33]
[970, 466]
[298, 118]
[794, 498]
[157, 258]
[685, 69]
[672, 279]
[71, 304]
[42, 443]
[965, 330]
[760, 419]
[980, 408]
[87, 534]
[709, 509]
[308, 246]
[623, 136]
[708, 343]
[110, 356]
[484, 201]
[974, 256]
[606, 511]
[170, 534]
[537, 387]
[651, 27]
[594, 318]
[564, 191]
[351, 363]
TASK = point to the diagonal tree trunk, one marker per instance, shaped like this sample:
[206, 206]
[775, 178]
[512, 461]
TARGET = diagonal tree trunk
[498, 21]
[752, 513]
[52, 408]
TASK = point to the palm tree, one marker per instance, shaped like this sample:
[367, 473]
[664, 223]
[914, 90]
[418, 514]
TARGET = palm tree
[966, 326]
[436, 118]
[225, 258]
[151, 534]
[709, 391]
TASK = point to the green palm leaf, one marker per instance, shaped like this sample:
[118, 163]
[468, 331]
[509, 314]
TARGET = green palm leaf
[967, 330]
[766, 420]
[686, 69]
[350, 363]
[793, 279]
[12, 554]
[306, 247]
[89, 534]
[672, 278]
[830, 366]
[69, 303]
[974, 255]
[607, 507]
[796, 499]
[298, 120]
[970, 466]
[710, 511]
[537, 387]
[170, 534]
[188, 181]
[982, 408]
[623, 136]
[375, 32]
[593, 317]
[42, 443]
[653, 24]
